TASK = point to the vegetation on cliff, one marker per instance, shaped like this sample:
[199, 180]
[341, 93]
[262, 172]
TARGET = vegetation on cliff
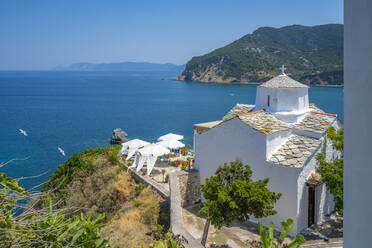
[93, 182]
[313, 55]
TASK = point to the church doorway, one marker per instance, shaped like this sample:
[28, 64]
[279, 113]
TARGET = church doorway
[311, 207]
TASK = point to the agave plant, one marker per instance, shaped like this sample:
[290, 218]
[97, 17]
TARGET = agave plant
[268, 240]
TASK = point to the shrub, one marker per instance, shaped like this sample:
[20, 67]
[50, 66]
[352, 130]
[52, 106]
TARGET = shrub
[139, 188]
[268, 240]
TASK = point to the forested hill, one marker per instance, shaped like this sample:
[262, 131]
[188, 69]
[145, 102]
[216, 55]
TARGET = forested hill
[312, 55]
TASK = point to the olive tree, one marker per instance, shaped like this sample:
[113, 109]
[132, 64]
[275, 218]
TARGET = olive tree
[231, 195]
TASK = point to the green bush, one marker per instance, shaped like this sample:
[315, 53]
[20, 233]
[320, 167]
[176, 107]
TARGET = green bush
[268, 240]
[332, 172]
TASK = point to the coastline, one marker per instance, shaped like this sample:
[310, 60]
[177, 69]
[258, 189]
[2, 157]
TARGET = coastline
[251, 83]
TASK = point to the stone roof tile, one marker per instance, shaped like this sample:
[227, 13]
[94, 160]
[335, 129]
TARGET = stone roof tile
[317, 122]
[295, 152]
[264, 122]
[236, 110]
[282, 81]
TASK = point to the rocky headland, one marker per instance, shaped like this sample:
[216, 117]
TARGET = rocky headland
[312, 55]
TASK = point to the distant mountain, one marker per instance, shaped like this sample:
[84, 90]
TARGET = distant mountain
[313, 55]
[122, 66]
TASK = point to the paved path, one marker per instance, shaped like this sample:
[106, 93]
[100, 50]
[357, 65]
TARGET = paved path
[237, 235]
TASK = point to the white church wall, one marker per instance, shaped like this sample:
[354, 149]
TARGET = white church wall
[282, 180]
[261, 97]
[235, 140]
[325, 200]
[282, 100]
[227, 142]
[292, 100]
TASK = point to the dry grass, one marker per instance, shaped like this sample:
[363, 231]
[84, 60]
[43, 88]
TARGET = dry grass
[104, 191]
[124, 185]
[129, 229]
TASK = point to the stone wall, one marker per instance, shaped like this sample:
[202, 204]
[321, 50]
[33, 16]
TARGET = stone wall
[189, 185]
[176, 201]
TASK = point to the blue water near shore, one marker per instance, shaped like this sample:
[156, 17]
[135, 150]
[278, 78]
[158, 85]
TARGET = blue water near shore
[79, 110]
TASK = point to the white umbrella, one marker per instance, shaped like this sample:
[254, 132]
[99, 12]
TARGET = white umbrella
[153, 150]
[132, 146]
[131, 152]
[149, 155]
[171, 144]
[170, 136]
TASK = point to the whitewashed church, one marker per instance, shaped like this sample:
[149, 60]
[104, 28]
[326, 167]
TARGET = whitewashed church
[279, 138]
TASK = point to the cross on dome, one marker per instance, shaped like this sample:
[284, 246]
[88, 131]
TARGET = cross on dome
[283, 68]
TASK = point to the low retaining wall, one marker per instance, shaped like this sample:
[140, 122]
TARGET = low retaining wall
[145, 179]
[179, 182]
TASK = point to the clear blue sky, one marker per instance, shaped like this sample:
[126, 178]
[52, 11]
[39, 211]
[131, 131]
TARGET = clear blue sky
[41, 34]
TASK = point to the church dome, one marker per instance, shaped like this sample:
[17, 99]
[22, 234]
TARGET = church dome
[284, 97]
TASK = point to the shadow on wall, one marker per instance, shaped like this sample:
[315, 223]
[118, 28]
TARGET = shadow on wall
[189, 183]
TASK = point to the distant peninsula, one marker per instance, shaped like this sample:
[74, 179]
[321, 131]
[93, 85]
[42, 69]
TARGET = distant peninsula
[121, 66]
[313, 56]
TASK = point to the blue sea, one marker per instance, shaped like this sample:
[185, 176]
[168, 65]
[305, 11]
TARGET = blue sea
[79, 110]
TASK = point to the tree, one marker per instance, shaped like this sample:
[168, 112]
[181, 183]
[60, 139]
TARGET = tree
[268, 240]
[332, 171]
[231, 195]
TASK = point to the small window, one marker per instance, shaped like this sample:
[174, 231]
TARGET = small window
[268, 101]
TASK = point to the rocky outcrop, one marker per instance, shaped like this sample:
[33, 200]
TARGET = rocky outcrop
[118, 136]
[208, 71]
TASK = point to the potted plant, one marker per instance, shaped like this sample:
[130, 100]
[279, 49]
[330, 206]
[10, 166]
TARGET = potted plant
[166, 178]
[188, 148]
[177, 163]
[144, 172]
[189, 163]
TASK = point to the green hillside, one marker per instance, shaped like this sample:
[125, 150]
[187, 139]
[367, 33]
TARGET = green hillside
[313, 55]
